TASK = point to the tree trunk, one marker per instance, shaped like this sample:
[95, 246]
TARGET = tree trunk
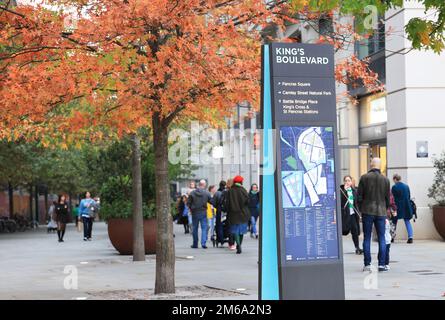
[11, 200]
[46, 204]
[138, 219]
[31, 216]
[36, 218]
[165, 249]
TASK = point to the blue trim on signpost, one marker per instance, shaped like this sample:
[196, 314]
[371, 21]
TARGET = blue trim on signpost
[269, 253]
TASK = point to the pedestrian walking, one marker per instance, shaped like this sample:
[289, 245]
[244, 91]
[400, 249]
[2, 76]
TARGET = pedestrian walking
[62, 216]
[211, 212]
[192, 186]
[197, 203]
[402, 198]
[239, 214]
[52, 223]
[349, 212]
[254, 208]
[373, 202]
[184, 214]
[87, 208]
[76, 214]
[217, 202]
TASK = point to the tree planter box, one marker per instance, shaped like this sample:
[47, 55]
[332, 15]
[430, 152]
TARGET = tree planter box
[120, 232]
[439, 220]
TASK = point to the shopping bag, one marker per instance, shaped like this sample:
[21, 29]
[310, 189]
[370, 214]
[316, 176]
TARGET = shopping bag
[80, 226]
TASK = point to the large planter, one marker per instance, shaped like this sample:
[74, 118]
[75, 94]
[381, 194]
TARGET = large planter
[120, 232]
[439, 220]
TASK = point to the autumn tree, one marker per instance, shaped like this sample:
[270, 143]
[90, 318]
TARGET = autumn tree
[115, 66]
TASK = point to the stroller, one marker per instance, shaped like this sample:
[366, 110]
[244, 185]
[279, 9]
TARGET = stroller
[226, 233]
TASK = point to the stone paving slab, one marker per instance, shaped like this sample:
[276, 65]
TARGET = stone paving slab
[32, 266]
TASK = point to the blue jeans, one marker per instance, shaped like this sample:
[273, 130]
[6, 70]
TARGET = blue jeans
[199, 218]
[409, 227]
[379, 223]
[211, 225]
[253, 225]
[388, 248]
[87, 227]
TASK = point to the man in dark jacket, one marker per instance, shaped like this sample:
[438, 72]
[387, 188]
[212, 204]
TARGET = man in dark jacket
[197, 202]
[373, 201]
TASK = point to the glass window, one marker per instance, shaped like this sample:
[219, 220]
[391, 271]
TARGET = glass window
[375, 42]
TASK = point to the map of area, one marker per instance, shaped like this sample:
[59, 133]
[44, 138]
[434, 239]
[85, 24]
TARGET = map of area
[307, 164]
[308, 193]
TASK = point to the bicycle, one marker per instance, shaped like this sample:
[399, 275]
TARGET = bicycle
[7, 225]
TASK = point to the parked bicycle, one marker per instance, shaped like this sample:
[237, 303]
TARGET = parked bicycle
[7, 225]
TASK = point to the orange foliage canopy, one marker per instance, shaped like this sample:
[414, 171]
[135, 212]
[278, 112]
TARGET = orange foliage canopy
[120, 63]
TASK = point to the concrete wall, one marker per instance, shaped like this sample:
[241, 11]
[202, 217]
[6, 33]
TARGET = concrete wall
[415, 85]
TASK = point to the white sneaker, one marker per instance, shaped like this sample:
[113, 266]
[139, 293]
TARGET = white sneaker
[367, 268]
[387, 267]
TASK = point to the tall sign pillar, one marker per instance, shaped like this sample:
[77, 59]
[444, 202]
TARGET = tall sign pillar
[300, 246]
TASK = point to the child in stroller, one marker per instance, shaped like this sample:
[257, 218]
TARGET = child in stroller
[226, 234]
[52, 224]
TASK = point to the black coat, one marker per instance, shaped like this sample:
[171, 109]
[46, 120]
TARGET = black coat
[238, 205]
[62, 213]
[373, 194]
[347, 219]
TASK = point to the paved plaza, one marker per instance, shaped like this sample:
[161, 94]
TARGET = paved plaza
[32, 266]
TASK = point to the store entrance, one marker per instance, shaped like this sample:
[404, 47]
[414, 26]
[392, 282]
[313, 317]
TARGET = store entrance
[370, 151]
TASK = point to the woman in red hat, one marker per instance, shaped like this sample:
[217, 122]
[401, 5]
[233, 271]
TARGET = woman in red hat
[239, 211]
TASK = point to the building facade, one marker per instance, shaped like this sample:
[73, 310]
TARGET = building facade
[403, 125]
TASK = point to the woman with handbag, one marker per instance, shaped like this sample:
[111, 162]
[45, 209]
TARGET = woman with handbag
[349, 212]
[87, 208]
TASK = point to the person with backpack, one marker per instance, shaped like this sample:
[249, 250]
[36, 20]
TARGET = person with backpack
[197, 203]
[349, 212]
[87, 211]
[402, 198]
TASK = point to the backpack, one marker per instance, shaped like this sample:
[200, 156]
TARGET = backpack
[92, 210]
[414, 208]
